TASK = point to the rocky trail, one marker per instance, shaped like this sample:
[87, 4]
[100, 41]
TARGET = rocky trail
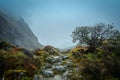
[57, 67]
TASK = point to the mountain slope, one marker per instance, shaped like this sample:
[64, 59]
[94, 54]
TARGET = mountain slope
[17, 32]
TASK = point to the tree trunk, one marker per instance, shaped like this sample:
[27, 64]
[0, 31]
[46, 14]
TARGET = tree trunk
[91, 49]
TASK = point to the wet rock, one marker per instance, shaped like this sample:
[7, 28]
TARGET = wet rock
[57, 58]
[56, 77]
[47, 73]
[64, 57]
[35, 77]
[47, 65]
[50, 60]
[59, 69]
[38, 77]
[54, 59]
[58, 63]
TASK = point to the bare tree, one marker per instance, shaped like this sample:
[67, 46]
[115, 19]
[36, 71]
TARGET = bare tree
[93, 36]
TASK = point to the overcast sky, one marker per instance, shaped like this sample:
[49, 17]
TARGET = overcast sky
[53, 21]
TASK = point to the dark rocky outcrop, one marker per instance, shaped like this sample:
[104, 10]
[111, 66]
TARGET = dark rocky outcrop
[17, 32]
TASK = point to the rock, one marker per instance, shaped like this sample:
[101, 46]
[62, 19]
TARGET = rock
[57, 58]
[50, 60]
[47, 65]
[35, 77]
[58, 63]
[38, 77]
[53, 59]
[47, 73]
[59, 69]
[49, 49]
[57, 77]
[64, 57]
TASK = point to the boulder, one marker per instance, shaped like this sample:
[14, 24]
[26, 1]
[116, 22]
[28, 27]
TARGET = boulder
[58, 64]
[57, 58]
[59, 69]
[64, 57]
[50, 60]
[53, 59]
[47, 66]
[47, 73]
[49, 49]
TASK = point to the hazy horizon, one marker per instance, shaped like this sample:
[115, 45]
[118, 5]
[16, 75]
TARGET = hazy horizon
[53, 21]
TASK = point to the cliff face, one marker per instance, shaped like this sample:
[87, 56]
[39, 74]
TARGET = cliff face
[17, 32]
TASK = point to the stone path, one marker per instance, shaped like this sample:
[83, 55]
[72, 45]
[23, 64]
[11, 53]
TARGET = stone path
[55, 68]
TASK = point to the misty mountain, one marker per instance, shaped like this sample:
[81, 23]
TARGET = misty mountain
[17, 32]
